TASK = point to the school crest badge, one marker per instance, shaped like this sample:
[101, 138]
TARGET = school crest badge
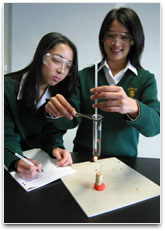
[131, 91]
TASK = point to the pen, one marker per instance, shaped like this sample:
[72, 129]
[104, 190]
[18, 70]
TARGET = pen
[20, 157]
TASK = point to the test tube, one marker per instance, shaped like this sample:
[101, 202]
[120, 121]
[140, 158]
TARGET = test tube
[97, 130]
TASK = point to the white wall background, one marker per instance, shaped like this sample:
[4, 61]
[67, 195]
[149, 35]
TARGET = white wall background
[81, 23]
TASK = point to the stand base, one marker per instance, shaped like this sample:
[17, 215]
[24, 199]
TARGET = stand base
[99, 187]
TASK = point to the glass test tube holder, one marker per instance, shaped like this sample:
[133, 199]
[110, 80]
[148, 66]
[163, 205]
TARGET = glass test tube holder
[97, 130]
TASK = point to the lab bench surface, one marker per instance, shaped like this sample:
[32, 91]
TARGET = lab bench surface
[54, 204]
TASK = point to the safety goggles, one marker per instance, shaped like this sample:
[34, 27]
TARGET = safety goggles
[111, 35]
[56, 61]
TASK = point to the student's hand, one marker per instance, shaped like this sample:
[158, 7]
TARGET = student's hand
[63, 157]
[28, 171]
[116, 100]
[59, 106]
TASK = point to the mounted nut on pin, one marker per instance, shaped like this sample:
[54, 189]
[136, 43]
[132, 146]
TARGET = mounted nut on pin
[99, 185]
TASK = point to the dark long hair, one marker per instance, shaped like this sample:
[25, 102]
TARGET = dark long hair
[131, 21]
[30, 91]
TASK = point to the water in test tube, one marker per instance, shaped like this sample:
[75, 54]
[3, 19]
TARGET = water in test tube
[97, 130]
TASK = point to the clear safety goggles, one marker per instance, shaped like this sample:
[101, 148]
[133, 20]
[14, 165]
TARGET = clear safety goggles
[56, 61]
[123, 36]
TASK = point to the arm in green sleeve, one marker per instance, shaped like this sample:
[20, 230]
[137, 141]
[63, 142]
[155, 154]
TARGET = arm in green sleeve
[11, 139]
[148, 122]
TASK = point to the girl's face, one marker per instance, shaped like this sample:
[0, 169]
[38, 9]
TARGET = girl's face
[117, 42]
[56, 64]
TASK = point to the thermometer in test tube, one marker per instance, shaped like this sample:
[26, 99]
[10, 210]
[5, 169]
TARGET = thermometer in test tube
[97, 126]
[97, 130]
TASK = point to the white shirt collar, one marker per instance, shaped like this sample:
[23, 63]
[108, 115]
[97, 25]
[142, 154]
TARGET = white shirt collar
[131, 67]
[43, 99]
[19, 96]
[128, 66]
[114, 80]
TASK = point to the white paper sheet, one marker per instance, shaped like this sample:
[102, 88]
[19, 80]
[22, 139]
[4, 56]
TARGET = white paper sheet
[51, 171]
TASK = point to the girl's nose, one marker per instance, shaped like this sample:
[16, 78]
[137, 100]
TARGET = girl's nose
[117, 40]
[61, 69]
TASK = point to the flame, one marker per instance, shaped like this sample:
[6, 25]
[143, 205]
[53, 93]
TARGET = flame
[95, 158]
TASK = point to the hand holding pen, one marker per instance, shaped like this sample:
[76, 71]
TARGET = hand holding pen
[26, 168]
[28, 171]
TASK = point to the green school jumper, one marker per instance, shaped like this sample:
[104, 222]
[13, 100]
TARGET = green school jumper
[24, 130]
[120, 135]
